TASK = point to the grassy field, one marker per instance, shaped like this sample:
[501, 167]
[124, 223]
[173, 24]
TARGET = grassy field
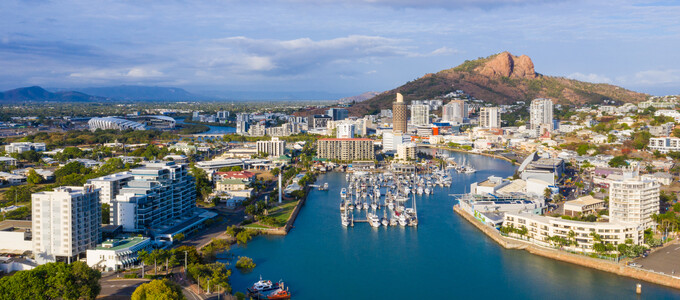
[256, 226]
[283, 212]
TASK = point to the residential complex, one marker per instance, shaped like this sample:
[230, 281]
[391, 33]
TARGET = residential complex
[634, 199]
[455, 111]
[346, 149]
[541, 115]
[490, 117]
[664, 144]
[420, 114]
[24, 146]
[66, 222]
[541, 228]
[275, 147]
[345, 131]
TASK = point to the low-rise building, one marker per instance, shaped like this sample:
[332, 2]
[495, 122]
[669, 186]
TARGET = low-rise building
[24, 146]
[117, 254]
[664, 144]
[16, 236]
[230, 185]
[583, 206]
[407, 151]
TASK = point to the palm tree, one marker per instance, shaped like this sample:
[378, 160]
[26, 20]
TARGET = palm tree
[572, 237]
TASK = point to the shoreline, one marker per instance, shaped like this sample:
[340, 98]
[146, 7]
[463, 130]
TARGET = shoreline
[584, 261]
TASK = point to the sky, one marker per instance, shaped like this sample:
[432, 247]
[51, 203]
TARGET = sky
[345, 47]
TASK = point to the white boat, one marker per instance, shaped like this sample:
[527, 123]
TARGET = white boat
[390, 205]
[364, 205]
[345, 219]
[427, 191]
[374, 206]
[402, 220]
[373, 220]
[343, 193]
[419, 191]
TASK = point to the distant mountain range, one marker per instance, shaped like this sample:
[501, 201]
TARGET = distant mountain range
[501, 79]
[144, 93]
[38, 94]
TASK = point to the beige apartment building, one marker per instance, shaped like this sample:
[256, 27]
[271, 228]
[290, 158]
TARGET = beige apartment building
[346, 149]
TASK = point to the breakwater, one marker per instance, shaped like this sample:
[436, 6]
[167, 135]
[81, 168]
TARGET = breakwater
[585, 261]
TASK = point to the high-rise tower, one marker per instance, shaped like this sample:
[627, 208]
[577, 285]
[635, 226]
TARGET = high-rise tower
[399, 115]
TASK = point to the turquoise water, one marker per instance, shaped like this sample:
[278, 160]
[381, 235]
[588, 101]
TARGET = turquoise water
[444, 258]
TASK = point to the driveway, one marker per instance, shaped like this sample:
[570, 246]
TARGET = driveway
[665, 260]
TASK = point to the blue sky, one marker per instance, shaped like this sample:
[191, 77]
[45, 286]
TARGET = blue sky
[345, 47]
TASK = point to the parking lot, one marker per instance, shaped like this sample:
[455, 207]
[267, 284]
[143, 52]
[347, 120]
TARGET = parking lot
[665, 260]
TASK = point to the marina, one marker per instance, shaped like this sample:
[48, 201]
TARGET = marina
[444, 250]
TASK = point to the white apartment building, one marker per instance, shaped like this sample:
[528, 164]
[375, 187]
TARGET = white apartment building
[668, 113]
[490, 117]
[541, 114]
[66, 222]
[24, 146]
[392, 140]
[664, 144]
[540, 228]
[407, 151]
[344, 131]
[455, 111]
[634, 199]
[109, 186]
[420, 114]
[275, 147]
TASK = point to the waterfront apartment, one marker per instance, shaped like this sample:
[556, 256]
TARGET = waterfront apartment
[634, 199]
[346, 149]
[407, 151]
[541, 228]
[66, 222]
[490, 208]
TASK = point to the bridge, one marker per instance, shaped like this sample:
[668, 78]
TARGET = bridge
[203, 135]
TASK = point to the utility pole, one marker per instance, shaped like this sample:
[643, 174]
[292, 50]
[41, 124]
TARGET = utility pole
[185, 264]
[142, 269]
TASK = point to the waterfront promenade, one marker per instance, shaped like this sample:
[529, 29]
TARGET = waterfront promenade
[581, 260]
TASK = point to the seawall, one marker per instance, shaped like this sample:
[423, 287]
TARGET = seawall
[585, 261]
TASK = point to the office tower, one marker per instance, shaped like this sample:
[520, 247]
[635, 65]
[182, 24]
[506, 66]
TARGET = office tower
[420, 114]
[455, 111]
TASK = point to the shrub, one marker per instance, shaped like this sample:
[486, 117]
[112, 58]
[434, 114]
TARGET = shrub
[245, 263]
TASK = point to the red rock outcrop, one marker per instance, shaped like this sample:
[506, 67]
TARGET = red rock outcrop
[508, 65]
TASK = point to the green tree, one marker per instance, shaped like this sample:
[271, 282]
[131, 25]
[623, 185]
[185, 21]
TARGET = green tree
[106, 213]
[33, 177]
[211, 275]
[582, 149]
[158, 289]
[52, 281]
[203, 184]
[618, 161]
[245, 263]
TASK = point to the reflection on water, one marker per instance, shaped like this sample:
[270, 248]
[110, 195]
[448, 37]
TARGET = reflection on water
[444, 257]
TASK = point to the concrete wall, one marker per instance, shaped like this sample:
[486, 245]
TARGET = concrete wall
[14, 241]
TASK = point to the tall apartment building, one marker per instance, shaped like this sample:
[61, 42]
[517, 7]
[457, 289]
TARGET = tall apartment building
[634, 199]
[66, 222]
[159, 194]
[392, 140]
[257, 130]
[664, 144]
[490, 117]
[338, 114]
[318, 121]
[541, 114]
[344, 131]
[399, 115]
[455, 111]
[420, 114]
[275, 147]
[110, 185]
[222, 115]
[346, 149]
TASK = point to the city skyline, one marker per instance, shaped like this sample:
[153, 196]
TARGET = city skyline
[346, 47]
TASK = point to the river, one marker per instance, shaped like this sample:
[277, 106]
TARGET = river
[445, 257]
[213, 129]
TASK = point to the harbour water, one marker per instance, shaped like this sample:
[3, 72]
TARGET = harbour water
[444, 257]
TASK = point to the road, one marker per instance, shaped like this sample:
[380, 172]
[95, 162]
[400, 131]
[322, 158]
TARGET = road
[205, 236]
[114, 288]
[665, 260]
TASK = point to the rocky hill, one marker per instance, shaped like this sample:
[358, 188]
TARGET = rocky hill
[502, 79]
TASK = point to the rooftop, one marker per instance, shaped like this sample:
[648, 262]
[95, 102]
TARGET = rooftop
[117, 244]
[583, 201]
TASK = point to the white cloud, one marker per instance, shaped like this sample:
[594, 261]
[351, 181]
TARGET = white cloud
[591, 77]
[656, 77]
[138, 72]
[131, 73]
